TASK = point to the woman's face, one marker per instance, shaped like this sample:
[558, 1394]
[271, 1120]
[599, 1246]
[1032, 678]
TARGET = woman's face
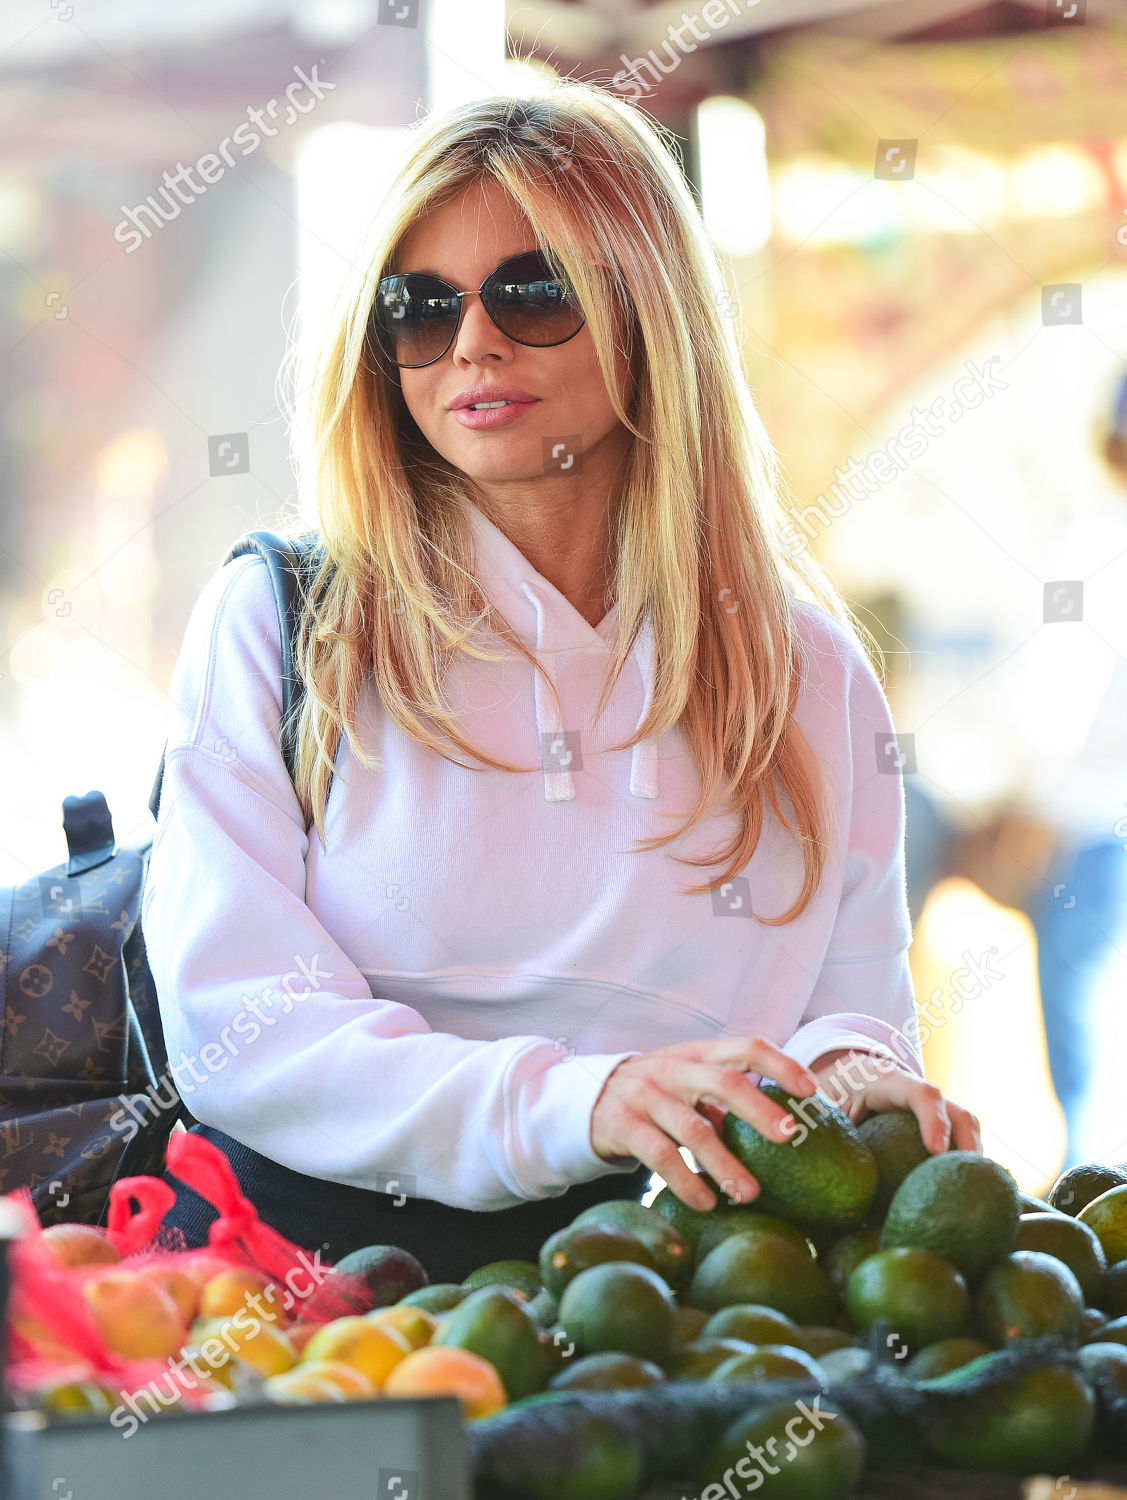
[462, 242]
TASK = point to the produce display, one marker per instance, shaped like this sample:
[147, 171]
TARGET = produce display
[875, 1307]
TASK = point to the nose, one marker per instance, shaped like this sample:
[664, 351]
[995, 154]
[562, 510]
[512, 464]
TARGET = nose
[477, 334]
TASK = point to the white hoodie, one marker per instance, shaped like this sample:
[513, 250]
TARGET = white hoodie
[438, 999]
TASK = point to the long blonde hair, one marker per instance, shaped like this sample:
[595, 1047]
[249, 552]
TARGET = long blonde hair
[697, 532]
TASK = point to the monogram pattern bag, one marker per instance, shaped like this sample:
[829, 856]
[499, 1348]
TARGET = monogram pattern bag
[85, 1097]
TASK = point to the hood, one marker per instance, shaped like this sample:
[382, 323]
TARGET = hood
[546, 623]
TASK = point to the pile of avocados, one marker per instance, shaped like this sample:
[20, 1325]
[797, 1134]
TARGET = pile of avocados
[876, 1306]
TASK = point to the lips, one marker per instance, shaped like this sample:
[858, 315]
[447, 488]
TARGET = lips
[475, 394]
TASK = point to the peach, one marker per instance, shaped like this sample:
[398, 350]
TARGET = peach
[356, 1341]
[440, 1371]
[415, 1324]
[232, 1289]
[137, 1318]
[79, 1245]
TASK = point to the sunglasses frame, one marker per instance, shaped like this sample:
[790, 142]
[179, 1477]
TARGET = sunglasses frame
[377, 326]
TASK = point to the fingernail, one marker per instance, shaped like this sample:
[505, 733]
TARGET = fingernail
[788, 1126]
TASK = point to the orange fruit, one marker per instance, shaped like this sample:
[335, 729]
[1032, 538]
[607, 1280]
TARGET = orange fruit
[79, 1245]
[136, 1317]
[179, 1286]
[415, 1324]
[263, 1346]
[299, 1387]
[356, 1341]
[440, 1371]
[353, 1382]
[226, 1293]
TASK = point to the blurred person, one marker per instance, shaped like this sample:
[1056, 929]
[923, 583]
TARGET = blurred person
[1079, 786]
[542, 1017]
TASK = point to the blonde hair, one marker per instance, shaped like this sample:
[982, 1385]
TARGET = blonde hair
[697, 533]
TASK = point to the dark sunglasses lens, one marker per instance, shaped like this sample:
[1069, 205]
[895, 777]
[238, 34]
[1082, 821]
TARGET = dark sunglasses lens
[529, 304]
[415, 318]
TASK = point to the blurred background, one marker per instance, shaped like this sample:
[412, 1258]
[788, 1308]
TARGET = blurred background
[923, 208]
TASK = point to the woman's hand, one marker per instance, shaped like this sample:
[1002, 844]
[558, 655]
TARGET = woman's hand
[656, 1102]
[862, 1083]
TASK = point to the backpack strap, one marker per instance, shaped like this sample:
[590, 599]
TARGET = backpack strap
[284, 557]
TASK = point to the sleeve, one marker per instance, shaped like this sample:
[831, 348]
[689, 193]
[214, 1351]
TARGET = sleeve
[273, 1034]
[863, 996]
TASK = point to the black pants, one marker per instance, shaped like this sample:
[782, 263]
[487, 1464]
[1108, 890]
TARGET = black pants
[337, 1219]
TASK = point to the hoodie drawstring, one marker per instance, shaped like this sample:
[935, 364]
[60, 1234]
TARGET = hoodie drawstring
[559, 784]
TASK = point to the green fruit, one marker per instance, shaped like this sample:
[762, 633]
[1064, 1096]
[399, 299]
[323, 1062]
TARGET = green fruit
[824, 1174]
[943, 1356]
[959, 1205]
[847, 1253]
[1027, 1296]
[672, 1253]
[1036, 1423]
[688, 1221]
[578, 1246]
[520, 1276]
[754, 1323]
[769, 1362]
[607, 1371]
[567, 1452]
[696, 1360]
[1112, 1295]
[1114, 1332]
[1071, 1241]
[818, 1341]
[844, 1363]
[1092, 1321]
[439, 1297]
[765, 1269]
[620, 1306]
[688, 1324]
[895, 1141]
[922, 1296]
[1079, 1186]
[745, 1221]
[1106, 1216]
[1031, 1205]
[543, 1309]
[1105, 1364]
[389, 1273]
[819, 1454]
[494, 1323]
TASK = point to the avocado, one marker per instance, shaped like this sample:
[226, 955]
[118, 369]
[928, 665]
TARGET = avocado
[1039, 1422]
[763, 1268]
[824, 1174]
[1076, 1188]
[893, 1136]
[1029, 1295]
[520, 1276]
[922, 1296]
[960, 1205]
[746, 1221]
[621, 1306]
[671, 1251]
[576, 1247]
[769, 1362]
[795, 1450]
[1106, 1216]
[439, 1297]
[943, 1356]
[495, 1324]
[1071, 1241]
[608, 1370]
[388, 1272]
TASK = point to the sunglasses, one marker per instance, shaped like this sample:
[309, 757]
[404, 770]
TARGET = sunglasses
[415, 317]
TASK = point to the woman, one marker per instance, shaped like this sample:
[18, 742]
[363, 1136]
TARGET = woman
[508, 1007]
